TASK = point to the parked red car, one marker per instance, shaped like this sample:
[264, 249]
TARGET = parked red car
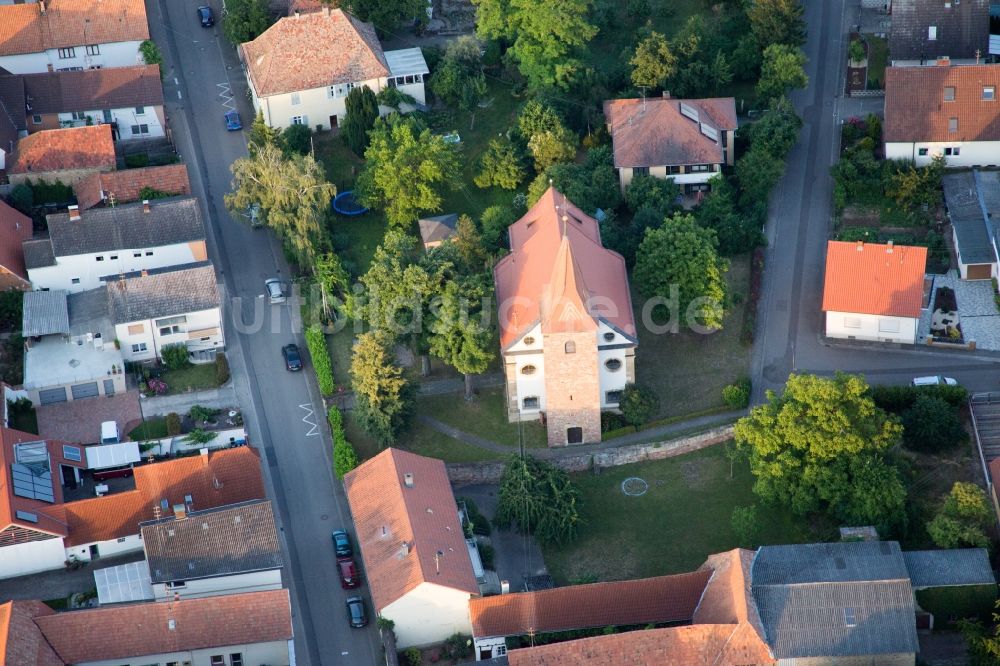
[348, 571]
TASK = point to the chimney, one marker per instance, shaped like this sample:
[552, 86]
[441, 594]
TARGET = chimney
[297, 15]
[74, 213]
[171, 625]
[666, 94]
[943, 61]
[41, 7]
[145, 205]
[861, 246]
[144, 273]
[326, 10]
[188, 502]
[888, 247]
[204, 456]
[405, 548]
[180, 512]
[408, 479]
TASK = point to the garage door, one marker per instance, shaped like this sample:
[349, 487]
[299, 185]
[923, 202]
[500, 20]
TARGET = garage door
[49, 396]
[84, 390]
[980, 271]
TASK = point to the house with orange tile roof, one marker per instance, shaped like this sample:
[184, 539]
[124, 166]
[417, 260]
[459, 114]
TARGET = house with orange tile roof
[948, 110]
[567, 331]
[67, 155]
[53, 35]
[874, 292]
[418, 563]
[15, 228]
[344, 53]
[231, 630]
[119, 187]
[685, 140]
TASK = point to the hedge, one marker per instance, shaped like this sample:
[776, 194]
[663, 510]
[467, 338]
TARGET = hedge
[316, 341]
[964, 601]
[898, 399]
[345, 458]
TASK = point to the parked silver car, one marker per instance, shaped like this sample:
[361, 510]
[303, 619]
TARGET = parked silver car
[274, 290]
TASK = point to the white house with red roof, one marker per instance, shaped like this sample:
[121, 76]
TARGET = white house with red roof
[418, 564]
[289, 88]
[567, 331]
[874, 292]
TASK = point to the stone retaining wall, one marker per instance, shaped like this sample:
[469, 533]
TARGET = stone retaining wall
[462, 474]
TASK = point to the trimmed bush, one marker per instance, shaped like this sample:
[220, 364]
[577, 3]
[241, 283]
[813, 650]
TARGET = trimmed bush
[173, 424]
[897, 399]
[345, 458]
[221, 369]
[175, 356]
[737, 394]
[412, 657]
[316, 341]
[932, 424]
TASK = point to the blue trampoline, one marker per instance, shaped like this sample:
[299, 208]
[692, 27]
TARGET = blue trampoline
[345, 204]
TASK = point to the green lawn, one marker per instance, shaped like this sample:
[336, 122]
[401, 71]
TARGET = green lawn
[687, 369]
[486, 417]
[683, 517]
[418, 439]
[195, 377]
[878, 56]
[154, 428]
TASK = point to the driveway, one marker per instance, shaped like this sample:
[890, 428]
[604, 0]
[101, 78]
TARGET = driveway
[60, 584]
[977, 311]
[80, 420]
[203, 79]
[789, 324]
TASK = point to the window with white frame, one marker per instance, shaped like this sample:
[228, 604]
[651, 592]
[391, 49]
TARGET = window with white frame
[699, 168]
[140, 129]
[298, 120]
[953, 124]
[172, 325]
[932, 33]
[72, 453]
[922, 152]
[67, 53]
[296, 99]
[852, 322]
[139, 347]
[888, 325]
[949, 93]
[340, 90]
[236, 659]
[530, 402]
[93, 49]
[78, 115]
[989, 93]
[612, 397]
[36, 119]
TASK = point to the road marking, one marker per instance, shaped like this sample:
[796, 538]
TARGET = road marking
[176, 82]
[226, 95]
[314, 429]
[179, 95]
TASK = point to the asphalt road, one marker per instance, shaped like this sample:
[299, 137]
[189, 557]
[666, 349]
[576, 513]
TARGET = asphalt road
[790, 321]
[202, 80]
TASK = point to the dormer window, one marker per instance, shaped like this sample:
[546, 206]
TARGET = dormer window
[949, 93]
[932, 33]
[989, 93]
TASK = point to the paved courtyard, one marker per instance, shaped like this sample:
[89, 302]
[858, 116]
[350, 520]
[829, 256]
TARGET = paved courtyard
[977, 311]
[79, 421]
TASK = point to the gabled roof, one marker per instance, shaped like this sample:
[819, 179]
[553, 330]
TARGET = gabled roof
[38, 253]
[341, 49]
[960, 28]
[45, 313]
[835, 599]
[163, 293]
[136, 630]
[870, 278]
[21, 641]
[126, 186]
[544, 268]
[666, 131]
[728, 597]
[915, 109]
[33, 27]
[437, 227]
[218, 478]
[93, 89]
[645, 601]
[39, 516]
[958, 566]
[168, 222]
[227, 540]
[969, 217]
[15, 228]
[87, 147]
[388, 513]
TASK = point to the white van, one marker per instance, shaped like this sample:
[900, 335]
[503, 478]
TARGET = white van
[934, 380]
[109, 433]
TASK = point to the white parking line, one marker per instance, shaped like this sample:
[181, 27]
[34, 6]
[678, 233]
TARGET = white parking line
[314, 429]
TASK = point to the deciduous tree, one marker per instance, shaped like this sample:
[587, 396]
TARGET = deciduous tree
[931, 424]
[387, 14]
[963, 518]
[777, 22]
[458, 80]
[383, 396]
[653, 63]
[245, 20]
[638, 404]
[460, 335]
[783, 69]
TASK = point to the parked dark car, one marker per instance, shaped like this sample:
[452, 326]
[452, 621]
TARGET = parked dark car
[342, 544]
[206, 16]
[233, 121]
[293, 361]
[356, 612]
[348, 573]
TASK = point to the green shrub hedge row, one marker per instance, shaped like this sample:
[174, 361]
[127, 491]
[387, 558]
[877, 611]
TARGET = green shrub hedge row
[316, 341]
[345, 458]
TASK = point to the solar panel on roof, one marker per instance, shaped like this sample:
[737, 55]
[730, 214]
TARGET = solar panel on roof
[32, 482]
[689, 112]
[27, 515]
[710, 132]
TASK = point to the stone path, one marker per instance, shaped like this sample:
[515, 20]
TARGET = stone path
[663, 431]
[976, 310]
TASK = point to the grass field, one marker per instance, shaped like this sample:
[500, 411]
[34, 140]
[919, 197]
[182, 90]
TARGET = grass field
[418, 439]
[486, 417]
[683, 517]
[191, 378]
[154, 427]
[687, 369]
[878, 57]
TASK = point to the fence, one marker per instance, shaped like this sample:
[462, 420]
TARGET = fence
[867, 93]
[984, 400]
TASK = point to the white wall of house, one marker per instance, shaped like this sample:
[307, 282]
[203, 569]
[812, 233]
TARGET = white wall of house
[88, 269]
[971, 153]
[689, 177]
[143, 340]
[131, 123]
[32, 557]
[275, 653]
[429, 614]
[611, 380]
[876, 328]
[114, 54]
[126, 544]
[257, 581]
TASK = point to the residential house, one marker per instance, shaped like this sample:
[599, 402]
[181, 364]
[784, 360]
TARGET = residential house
[178, 305]
[119, 187]
[13, 125]
[437, 229]
[53, 35]
[222, 550]
[567, 332]
[924, 30]
[873, 292]
[32, 524]
[233, 630]
[84, 247]
[69, 350]
[973, 202]
[685, 140]
[15, 228]
[344, 52]
[948, 110]
[129, 99]
[416, 558]
[66, 155]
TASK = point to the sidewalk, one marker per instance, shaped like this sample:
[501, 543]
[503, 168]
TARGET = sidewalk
[181, 403]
